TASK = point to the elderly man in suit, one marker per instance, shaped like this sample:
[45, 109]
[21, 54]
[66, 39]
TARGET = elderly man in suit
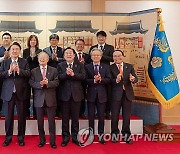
[44, 81]
[97, 78]
[123, 75]
[71, 73]
[107, 57]
[14, 71]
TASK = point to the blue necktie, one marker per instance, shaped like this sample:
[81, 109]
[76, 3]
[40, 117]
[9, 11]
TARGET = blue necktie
[96, 69]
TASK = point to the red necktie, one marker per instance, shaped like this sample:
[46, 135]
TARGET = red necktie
[80, 56]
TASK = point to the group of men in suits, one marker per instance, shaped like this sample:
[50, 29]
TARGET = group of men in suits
[63, 76]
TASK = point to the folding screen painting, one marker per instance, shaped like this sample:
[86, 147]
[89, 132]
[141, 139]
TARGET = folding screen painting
[131, 32]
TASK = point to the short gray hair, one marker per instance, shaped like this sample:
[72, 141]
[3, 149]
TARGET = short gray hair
[94, 50]
[42, 52]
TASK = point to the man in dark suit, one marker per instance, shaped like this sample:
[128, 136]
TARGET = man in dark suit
[123, 75]
[44, 81]
[106, 58]
[97, 78]
[54, 51]
[4, 54]
[70, 73]
[55, 56]
[14, 72]
[84, 59]
[4, 49]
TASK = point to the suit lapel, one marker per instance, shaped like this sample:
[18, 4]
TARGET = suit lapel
[100, 68]
[19, 62]
[116, 69]
[75, 66]
[64, 66]
[125, 69]
[9, 62]
[91, 69]
[39, 74]
[48, 72]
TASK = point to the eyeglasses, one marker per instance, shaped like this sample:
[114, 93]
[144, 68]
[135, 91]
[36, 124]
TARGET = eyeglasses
[95, 55]
[117, 56]
[6, 38]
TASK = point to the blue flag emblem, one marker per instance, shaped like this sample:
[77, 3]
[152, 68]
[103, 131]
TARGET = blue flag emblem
[162, 79]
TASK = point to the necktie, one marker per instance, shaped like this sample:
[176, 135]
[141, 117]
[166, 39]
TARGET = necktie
[96, 69]
[14, 63]
[101, 47]
[80, 56]
[70, 66]
[54, 50]
[44, 72]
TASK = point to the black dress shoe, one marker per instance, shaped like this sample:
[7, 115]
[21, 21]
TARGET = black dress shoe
[28, 118]
[64, 142]
[129, 141]
[59, 115]
[21, 143]
[7, 142]
[114, 138]
[41, 144]
[34, 117]
[83, 116]
[76, 142]
[53, 146]
[102, 141]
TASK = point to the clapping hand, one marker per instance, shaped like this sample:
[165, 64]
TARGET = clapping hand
[54, 56]
[97, 78]
[69, 71]
[82, 60]
[118, 78]
[131, 77]
[44, 82]
[6, 54]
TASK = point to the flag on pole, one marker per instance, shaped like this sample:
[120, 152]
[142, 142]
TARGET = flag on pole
[162, 79]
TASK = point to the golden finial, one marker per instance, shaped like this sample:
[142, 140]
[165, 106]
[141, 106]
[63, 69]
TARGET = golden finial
[160, 22]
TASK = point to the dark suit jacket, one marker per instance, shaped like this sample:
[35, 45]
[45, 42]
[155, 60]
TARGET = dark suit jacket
[48, 92]
[99, 89]
[2, 50]
[59, 53]
[117, 88]
[71, 85]
[87, 58]
[20, 80]
[33, 63]
[107, 53]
